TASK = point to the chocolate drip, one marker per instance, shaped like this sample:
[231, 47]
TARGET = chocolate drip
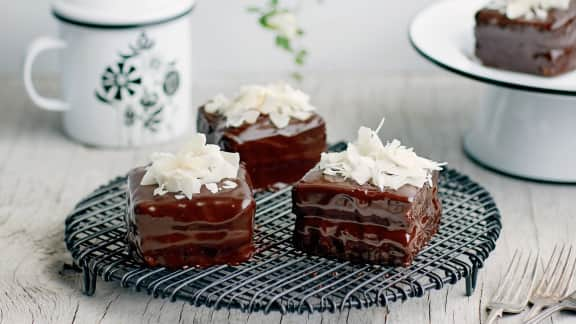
[359, 223]
[211, 228]
[274, 156]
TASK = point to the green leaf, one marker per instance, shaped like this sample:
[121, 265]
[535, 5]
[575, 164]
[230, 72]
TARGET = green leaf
[254, 9]
[264, 21]
[283, 42]
[274, 3]
[301, 57]
[297, 76]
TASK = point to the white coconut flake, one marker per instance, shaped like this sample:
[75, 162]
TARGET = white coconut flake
[160, 190]
[279, 101]
[212, 187]
[195, 165]
[367, 160]
[527, 9]
[179, 197]
[227, 184]
[216, 104]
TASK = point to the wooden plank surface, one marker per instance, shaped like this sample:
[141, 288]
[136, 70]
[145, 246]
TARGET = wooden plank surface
[42, 175]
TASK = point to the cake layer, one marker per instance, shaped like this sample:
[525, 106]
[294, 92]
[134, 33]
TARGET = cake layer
[273, 156]
[211, 228]
[360, 223]
[537, 46]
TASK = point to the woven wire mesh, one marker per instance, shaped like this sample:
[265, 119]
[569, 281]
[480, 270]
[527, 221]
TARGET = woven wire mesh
[281, 277]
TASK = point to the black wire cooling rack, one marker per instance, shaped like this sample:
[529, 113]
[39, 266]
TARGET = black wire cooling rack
[280, 277]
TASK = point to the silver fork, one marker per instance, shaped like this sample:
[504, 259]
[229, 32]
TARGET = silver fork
[513, 292]
[555, 282]
[568, 303]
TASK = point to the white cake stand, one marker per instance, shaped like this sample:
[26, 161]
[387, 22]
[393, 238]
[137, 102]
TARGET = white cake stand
[527, 125]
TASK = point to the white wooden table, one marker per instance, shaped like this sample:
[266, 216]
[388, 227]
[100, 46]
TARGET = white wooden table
[43, 174]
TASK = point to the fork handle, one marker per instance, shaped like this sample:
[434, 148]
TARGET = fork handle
[545, 313]
[534, 310]
[493, 315]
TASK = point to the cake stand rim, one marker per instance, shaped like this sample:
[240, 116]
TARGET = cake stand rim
[511, 174]
[472, 75]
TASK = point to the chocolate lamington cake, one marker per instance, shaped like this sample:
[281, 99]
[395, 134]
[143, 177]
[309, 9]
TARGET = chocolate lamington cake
[274, 129]
[537, 37]
[181, 215]
[370, 204]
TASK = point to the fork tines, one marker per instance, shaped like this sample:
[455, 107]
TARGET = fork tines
[515, 287]
[556, 278]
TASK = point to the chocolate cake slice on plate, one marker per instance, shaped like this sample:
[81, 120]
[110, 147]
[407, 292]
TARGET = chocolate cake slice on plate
[536, 37]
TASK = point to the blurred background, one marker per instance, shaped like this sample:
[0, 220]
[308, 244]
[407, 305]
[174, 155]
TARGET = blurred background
[349, 38]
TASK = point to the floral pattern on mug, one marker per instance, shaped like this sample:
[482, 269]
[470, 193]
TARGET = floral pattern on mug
[140, 85]
[118, 79]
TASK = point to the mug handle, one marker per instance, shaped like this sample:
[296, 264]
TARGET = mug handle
[38, 46]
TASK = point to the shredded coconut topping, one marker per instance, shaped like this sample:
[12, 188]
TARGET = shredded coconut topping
[528, 9]
[195, 165]
[385, 166]
[278, 100]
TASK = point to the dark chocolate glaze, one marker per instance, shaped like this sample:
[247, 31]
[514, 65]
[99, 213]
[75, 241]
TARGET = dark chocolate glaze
[274, 157]
[359, 223]
[543, 47]
[209, 229]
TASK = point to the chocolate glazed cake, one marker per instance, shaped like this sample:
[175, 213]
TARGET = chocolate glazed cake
[544, 45]
[208, 229]
[274, 157]
[361, 223]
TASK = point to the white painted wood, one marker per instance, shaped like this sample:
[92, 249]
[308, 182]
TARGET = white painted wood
[42, 175]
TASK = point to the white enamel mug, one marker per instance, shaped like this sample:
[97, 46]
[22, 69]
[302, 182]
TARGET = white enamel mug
[124, 70]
